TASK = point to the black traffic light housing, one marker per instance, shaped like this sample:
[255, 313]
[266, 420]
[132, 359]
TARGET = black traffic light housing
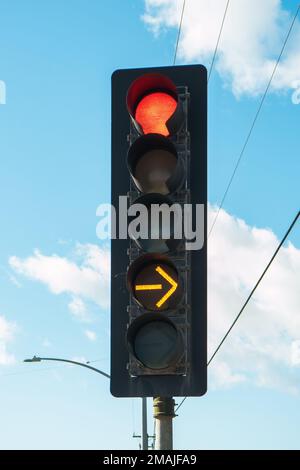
[159, 343]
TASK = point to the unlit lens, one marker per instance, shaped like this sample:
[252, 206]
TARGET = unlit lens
[155, 344]
[153, 170]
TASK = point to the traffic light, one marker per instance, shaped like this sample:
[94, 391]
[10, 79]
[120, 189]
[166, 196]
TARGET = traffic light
[159, 261]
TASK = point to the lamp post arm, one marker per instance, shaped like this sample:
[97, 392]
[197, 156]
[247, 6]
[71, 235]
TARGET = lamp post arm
[39, 359]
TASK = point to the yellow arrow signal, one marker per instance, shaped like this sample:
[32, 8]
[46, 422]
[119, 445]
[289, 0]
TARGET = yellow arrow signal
[167, 277]
[170, 291]
[148, 287]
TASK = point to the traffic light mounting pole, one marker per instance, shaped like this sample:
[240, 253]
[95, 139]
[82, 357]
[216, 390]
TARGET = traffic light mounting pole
[163, 413]
[145, 443]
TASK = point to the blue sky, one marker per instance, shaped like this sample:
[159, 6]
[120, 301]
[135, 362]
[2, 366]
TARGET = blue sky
[56, 59]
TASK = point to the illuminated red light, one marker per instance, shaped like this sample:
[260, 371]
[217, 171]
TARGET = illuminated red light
[153, 111]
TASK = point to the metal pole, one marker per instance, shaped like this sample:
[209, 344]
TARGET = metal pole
[163, 412]
[144, 424]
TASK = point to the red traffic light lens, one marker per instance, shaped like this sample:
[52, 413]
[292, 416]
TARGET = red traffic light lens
[153, 111]
[153, 104]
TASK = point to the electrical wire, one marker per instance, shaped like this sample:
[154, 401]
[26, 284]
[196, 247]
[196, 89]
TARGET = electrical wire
[254, 121]
[179, 32]
[256, 285]
[218, 40]
[180, 404]
[97, 360]
[209, 75]
[250, 295]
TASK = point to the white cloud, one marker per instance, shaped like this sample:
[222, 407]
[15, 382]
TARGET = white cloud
[253, 34]
[78, 309]
[87, 279]
[296, 94]
[7, 334]
[15, 281]
[224, 377]
[91, 335]
[295, 353]
[263, 347]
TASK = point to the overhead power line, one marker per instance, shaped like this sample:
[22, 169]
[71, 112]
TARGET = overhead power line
[179, 32]
[251, 294]
[254, 121]
[180, 404]
[256, 285]
[218, 40]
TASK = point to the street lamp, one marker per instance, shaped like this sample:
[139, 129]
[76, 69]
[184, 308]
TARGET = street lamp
[87, 366]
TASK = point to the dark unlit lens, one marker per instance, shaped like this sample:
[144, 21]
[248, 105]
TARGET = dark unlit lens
[155, 344]
[153, 170]
[162, 231]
